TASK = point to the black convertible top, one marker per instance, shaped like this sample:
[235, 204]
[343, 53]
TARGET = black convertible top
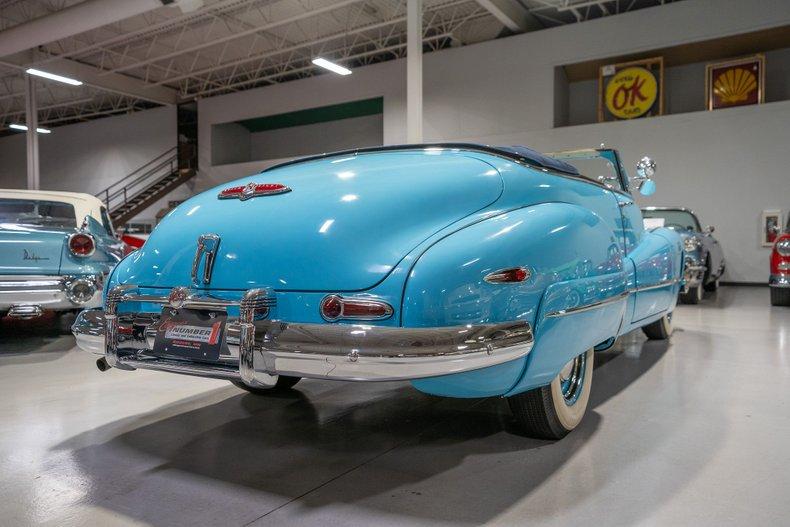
[520, 154]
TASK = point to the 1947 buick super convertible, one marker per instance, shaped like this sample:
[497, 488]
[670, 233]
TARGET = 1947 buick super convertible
[469, 270]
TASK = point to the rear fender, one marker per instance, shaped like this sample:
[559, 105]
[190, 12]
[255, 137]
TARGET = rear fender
[566, 248]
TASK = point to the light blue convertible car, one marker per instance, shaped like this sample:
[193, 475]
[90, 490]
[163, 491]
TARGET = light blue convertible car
[469, 270]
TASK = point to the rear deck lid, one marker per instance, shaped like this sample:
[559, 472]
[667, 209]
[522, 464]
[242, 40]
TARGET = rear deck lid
[343, 225]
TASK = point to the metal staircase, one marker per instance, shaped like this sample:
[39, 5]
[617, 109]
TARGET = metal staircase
[143, 187]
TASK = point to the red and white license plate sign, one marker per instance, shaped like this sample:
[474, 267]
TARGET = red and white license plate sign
[190, 334]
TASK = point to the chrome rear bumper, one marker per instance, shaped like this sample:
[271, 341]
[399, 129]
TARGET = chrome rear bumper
[779, 280]
[260, 350]
[27, 296]
[693, 273]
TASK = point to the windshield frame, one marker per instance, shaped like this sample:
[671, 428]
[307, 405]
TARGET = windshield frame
[675, 209]
[607, 154]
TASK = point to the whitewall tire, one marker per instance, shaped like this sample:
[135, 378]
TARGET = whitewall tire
[661, 329]
[693, 295]
[551, 412]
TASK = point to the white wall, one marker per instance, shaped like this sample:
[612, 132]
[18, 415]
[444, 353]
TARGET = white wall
[88, 157]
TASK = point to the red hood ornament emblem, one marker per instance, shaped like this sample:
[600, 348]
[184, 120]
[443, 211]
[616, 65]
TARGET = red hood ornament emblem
[253, 190]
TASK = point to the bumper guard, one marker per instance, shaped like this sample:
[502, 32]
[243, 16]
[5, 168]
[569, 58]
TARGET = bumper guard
[260, 350]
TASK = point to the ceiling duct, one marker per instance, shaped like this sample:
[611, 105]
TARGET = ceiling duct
[72, 21]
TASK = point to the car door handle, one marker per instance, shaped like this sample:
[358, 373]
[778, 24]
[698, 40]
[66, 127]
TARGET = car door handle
[624, 203]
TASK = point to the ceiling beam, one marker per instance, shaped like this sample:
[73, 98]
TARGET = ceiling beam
[512, 15]
[111, 82]
[70, 21]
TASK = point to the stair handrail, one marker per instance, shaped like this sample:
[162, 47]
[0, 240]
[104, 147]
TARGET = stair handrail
[153, 167]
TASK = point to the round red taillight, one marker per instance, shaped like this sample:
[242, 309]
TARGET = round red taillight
[81, 244]
[335, 307]
[332, 307]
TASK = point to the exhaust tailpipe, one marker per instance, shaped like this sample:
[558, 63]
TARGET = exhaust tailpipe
[102, 364]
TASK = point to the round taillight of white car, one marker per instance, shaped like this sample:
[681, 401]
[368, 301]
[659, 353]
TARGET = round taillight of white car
[82, 244]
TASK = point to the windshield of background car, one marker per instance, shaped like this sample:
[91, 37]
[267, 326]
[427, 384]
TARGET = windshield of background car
[593, 165]
[37, 213]
[675, 219]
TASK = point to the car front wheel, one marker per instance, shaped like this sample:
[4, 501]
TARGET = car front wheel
[780, 296]
[693, 295]
[551, 412]
[284, 382]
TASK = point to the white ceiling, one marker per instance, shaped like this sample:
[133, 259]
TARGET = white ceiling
[167, 54]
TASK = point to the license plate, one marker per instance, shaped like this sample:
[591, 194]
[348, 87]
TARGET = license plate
[191, 334]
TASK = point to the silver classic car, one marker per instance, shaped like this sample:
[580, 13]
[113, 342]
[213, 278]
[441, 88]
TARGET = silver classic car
[703, 256]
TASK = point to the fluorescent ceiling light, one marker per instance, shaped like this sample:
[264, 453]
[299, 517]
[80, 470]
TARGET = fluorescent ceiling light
[23, 128]
[331, 66]
[52, 76]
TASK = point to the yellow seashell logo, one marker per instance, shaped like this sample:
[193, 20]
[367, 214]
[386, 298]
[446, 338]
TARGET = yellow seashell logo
[734, 85]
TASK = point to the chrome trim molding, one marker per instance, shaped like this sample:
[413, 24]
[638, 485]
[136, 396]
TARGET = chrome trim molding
[268, 348]
[208, 243]
[587, 307]
[659, 285]
[779, 280]
[47, 291]
[388, 310]
[601, 303]
[25, 312]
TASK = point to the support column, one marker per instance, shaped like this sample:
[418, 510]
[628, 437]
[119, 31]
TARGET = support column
[414, 71]
[31, 120]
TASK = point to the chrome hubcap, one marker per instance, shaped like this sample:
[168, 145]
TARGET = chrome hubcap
[572, 379]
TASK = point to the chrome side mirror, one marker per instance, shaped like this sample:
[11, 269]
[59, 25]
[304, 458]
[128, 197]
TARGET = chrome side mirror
[645, 170]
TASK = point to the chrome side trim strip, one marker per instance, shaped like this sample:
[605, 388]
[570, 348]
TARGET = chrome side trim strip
[601, 303]
[587, 307]
[659, 285]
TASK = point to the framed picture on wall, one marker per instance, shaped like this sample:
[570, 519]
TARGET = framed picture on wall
[770, 227]
[737, 82]
[630, 90]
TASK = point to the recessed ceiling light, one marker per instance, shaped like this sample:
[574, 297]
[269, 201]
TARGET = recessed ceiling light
[331, 66]
[23, 128]
[52, 76]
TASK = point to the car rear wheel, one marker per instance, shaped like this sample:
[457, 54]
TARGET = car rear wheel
[661, 329]
[780, 296]
[63, 322]
[284, 382]
[712, 286]
[693, 295]
[551, 412]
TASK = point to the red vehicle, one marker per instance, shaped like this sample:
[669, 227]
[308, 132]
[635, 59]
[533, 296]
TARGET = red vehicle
[134, 241]
[780, 270]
